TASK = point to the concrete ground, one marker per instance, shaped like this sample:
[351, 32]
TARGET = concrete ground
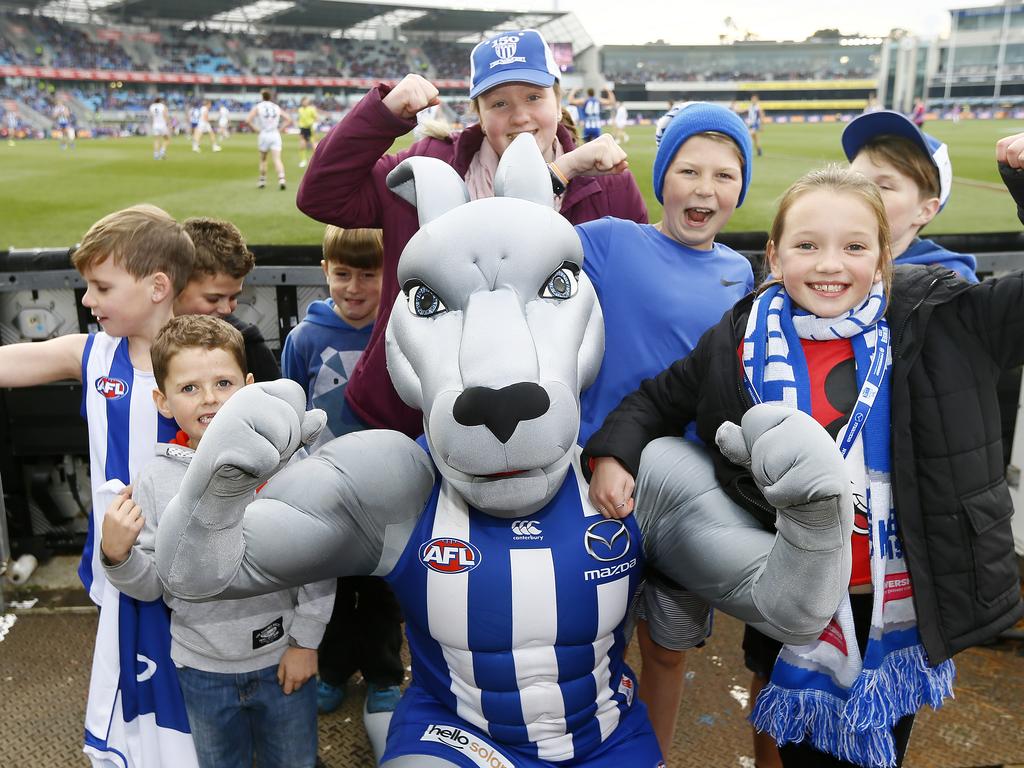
[46, 650]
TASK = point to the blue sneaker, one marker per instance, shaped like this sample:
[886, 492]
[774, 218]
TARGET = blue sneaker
[382, 698]
[328, 697]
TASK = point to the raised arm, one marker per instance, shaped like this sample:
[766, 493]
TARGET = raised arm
[41, 362]
[787, 584]
[994, 312]
[345, 181]
[335, 513]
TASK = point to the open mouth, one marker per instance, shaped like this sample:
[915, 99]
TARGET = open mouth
[828, 288]
[206, 418]
[499, 475]
[511, 136]
[697, 217]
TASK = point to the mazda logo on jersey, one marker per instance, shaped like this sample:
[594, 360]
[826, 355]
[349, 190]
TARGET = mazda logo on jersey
[607, 540]
[449, 555]
[111, 388]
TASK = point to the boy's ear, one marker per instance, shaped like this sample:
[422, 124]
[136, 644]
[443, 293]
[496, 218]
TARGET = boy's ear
[163, 288]
[929, 208]
[249, 379]
[160, 400]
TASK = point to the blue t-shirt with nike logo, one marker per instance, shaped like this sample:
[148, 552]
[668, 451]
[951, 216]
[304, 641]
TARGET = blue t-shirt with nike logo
[658, 297]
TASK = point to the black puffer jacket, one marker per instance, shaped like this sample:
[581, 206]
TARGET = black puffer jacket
[951, 340]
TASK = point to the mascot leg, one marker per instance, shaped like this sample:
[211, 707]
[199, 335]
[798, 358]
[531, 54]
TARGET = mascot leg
[419, 761]
[376, 725]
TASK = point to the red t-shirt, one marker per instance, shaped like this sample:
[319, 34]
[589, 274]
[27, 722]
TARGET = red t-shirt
[832, 371]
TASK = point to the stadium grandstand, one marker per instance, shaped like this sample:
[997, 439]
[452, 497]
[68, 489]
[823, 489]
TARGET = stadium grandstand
[107, 60]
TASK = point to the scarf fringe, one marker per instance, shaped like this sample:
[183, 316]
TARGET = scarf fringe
[859, 729]
[900, 686]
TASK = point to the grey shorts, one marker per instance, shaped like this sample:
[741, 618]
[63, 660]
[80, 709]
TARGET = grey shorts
[676, 619]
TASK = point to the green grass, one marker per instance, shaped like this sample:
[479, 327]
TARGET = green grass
[50, 197]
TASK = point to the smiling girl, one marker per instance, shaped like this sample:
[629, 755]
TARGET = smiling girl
[900, 366]
[514, 89]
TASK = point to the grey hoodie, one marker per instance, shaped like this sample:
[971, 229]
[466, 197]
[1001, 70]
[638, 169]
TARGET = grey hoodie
[235, 636]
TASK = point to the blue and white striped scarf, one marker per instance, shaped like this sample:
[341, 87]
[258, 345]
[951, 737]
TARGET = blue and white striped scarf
[843, 700]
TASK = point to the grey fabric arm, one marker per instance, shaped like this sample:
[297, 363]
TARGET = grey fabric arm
[788, 584]
[325, 516]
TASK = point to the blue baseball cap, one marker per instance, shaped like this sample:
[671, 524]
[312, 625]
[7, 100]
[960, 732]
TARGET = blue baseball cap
[518, 56]
[690, 119]
[863, 128]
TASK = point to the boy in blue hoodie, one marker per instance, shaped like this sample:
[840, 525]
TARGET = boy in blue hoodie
[365, 631]
[915, 175]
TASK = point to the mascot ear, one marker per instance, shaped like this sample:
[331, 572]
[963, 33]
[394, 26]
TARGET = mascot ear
[523, 173]
[429, 184]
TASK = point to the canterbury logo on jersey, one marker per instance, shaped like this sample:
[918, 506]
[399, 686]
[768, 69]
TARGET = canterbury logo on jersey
[526, 529]
[481, 754]
[111, 388]
[449, 555]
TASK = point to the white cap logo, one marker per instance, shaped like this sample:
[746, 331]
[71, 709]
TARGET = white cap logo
[505, 49]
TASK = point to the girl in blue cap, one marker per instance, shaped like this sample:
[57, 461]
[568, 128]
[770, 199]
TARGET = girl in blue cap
[514, 85]
[661, 286]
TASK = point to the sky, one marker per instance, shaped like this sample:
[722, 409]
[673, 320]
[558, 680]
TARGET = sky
[622, 22]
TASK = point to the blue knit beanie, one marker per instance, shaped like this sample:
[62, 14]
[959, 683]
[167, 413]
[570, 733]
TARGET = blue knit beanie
[689, 119]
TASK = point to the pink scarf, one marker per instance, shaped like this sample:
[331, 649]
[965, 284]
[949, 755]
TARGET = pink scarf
[480, 174]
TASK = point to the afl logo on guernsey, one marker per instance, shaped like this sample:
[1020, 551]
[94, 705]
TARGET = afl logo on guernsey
[111, 388]
[449, 555]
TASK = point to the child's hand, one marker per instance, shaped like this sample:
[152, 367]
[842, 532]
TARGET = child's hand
[412, 94]
[296, 667]
[599, 157]
[122, 524]
[1010, 151]
[611, 488]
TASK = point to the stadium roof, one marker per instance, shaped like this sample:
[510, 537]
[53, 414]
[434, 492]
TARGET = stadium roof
[323, 14]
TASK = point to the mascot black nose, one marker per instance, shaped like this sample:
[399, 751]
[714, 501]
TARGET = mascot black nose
[501, 410]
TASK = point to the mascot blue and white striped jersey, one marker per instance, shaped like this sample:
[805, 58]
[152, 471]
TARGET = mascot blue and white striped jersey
[515, 591]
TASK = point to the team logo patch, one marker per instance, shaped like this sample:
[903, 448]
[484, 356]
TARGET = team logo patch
[472, 746]
[505, 49]
[111, 388]
[449, 555]
[526, 529]
[607, 540]
[626, 689]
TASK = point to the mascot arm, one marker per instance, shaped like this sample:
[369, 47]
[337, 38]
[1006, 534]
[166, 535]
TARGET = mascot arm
[331, 514]
[787, 584]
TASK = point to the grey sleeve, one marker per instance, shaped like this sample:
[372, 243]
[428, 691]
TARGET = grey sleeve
[698, 537]
[313, 607]
[137, 576]
[348, 509]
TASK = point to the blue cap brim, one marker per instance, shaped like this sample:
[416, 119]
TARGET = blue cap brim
[864, 128]
[530, 76]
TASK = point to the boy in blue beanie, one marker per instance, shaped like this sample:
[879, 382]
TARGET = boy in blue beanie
[661, 286]
[914, 173]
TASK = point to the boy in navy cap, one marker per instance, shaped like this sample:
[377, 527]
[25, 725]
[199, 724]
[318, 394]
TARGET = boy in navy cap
[915, 175]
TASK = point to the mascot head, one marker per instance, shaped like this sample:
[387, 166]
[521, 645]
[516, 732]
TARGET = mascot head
[496, 330]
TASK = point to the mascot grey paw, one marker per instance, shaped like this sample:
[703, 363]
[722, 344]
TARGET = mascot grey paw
[254, 435]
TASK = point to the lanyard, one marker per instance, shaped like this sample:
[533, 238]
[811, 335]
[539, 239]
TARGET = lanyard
[866, 396]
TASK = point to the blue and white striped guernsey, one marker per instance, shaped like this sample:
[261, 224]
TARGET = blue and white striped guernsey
[135, 714]
[541, 667]
[592, 114]
[124, 428]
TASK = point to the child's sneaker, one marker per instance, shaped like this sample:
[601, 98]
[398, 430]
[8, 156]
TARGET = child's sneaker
[261, 183]
[328, 697]
[382, 698]
[216, 148]
[281, 184]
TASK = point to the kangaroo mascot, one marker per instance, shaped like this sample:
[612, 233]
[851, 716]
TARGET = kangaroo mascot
[515, 590]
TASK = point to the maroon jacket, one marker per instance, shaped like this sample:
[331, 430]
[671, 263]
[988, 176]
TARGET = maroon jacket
[345, 186]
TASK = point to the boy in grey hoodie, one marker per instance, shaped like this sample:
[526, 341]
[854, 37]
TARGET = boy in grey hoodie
[245, 665]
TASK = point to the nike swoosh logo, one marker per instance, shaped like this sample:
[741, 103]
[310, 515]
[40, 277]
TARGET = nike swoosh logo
[727, 283]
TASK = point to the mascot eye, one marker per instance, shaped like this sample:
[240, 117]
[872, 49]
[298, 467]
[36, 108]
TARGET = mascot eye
[563, 282]
[423, 302]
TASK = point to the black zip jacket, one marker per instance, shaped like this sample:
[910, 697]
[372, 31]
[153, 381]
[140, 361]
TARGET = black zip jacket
[950, 342]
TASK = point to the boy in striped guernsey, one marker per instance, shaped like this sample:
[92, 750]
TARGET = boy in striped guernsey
[514, 588]
[134, 262]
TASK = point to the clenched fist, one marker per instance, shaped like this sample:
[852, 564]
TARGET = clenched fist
[412, 95]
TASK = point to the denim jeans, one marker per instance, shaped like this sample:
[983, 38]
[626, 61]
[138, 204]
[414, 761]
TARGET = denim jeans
[235, 717]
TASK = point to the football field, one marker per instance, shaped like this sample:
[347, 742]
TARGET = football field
[49, 197]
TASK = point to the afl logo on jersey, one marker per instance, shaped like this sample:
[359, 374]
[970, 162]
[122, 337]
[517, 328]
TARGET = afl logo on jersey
[449, 555]
[111, 388]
